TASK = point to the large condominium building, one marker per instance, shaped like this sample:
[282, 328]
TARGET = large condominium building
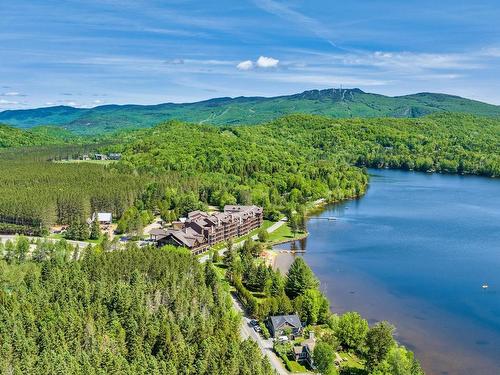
[200, 230]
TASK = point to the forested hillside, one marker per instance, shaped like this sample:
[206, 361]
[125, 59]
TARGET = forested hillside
[448, 143]
[177, 167]
[335, 103]
[139, 311]
[36, 192]
[12, 137]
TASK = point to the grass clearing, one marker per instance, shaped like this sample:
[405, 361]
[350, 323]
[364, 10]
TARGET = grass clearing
[284, 233]
[353, 365]
[296, 367]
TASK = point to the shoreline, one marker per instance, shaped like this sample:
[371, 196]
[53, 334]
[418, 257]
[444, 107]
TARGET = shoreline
[430, 330]
[314, 207]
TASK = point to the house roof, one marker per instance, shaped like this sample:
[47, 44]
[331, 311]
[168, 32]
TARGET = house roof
[281, 320]
[103, 216]
[298, 349]
[186, 237]
[157, 232]
[309, 343]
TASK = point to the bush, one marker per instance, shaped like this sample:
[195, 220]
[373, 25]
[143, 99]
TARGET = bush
[263, 235]
[265, 331]
[246, 298]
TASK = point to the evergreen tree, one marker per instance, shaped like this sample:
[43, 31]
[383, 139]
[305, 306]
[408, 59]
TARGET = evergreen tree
[263, 235]
[22, 248]
[299, 279]
[95, 230]
[9, 251]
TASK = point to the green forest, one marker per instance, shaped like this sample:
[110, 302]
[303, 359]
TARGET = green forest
[178, 167]
[36, 192]
[158, 310]
[137, 311]
[37, 136]
[266, 292]
[334, 103]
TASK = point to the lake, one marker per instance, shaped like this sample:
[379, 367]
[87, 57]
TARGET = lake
[416, 250]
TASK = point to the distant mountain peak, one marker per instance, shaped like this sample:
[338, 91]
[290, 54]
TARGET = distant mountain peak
[332, 102]
[335, 94]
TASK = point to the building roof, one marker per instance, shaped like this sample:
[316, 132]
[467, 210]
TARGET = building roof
[196, 228]
[103, 216]
[186, 237]
[157, 232]
[281, 320]
[298, 349]
[310, 343]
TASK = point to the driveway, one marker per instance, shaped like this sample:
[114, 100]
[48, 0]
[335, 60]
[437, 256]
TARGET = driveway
[80, 244]
[266, 346]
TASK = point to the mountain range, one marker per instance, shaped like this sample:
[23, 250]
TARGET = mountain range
[336, 103]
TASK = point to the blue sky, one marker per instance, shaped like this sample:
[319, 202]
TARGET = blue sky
[93, 52]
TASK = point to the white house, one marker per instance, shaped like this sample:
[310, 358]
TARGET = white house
[103, 217]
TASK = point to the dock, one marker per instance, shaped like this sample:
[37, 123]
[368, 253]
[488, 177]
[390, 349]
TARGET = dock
[329, 218]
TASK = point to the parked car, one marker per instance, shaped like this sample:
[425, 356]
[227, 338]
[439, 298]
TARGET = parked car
[254, 323]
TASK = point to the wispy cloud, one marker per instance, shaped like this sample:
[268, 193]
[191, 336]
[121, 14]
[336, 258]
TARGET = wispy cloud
[328, 80]
[12, 93]
[8, 102]
[311, 24]
[175, 61]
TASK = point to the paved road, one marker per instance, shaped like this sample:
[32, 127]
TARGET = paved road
[266, 346]
[154, 225]
[80, 244]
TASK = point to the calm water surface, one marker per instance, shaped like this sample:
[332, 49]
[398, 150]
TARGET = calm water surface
[416, 250]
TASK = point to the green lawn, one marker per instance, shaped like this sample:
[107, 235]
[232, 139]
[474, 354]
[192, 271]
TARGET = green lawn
[353, 365]
[56, 236]
[296, 367]
[284, 233]
[60, 236]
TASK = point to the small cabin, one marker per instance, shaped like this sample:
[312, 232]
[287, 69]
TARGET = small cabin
[103, 218]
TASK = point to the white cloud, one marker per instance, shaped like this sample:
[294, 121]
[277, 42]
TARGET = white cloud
[245, 65]
[11, 93]
[7, 102]
[491, 52]
[97, 101]
[49, 103]
[262, 62]
[267, 62]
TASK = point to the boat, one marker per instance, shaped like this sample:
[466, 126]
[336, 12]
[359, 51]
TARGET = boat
[485, 286]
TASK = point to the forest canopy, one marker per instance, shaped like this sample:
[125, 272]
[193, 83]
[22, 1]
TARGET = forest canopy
[177, 167]
[138, 311]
